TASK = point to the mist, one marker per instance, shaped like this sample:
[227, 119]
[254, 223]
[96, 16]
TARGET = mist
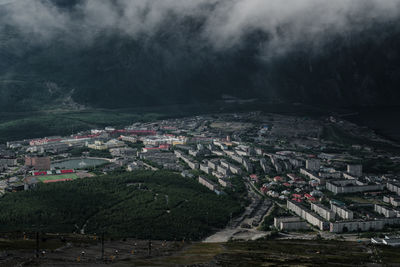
[224, 23]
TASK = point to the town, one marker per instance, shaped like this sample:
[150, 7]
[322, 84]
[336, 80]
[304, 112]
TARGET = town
[323, 175]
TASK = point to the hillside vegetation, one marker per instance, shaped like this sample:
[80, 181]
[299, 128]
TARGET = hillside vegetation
[24, 125]
[144, 204]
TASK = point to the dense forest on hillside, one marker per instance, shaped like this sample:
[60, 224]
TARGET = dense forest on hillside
[144, 204]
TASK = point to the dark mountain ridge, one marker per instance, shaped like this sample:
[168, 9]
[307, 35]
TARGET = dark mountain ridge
[176, 65]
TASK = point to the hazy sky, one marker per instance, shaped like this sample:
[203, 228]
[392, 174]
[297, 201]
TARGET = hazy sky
[226, 21]
[6, 1]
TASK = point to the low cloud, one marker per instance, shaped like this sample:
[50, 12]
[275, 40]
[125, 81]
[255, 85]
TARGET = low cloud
[225, 22]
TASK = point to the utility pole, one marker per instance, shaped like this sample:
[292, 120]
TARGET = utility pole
[149, 247]
[37, 244]
[102, 246]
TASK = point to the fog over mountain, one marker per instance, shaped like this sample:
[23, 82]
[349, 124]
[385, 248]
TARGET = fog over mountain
[125, 52]
[224, 23]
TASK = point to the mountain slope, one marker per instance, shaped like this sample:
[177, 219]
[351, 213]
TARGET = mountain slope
[175, 65]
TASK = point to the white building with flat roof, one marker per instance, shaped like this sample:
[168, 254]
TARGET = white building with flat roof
[313, 164]
[354, 169]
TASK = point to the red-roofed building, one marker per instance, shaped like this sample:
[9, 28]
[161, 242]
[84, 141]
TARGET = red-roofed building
[40, 173]
[56, 181]
[135, 132]
[160, 147]
[264, 189]
[297, 199]
[86, 136]
[38, 142]
[67, 171]
[169, 128]
[254, 178]
[308, 196]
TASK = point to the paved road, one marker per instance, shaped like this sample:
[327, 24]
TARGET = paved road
[150, 167]
[234, 229]
[235, 233]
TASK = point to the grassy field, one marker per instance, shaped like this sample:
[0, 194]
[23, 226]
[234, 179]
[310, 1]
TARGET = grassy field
[28, 244]
[72, 176]
[278, 253]
[178, 253]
